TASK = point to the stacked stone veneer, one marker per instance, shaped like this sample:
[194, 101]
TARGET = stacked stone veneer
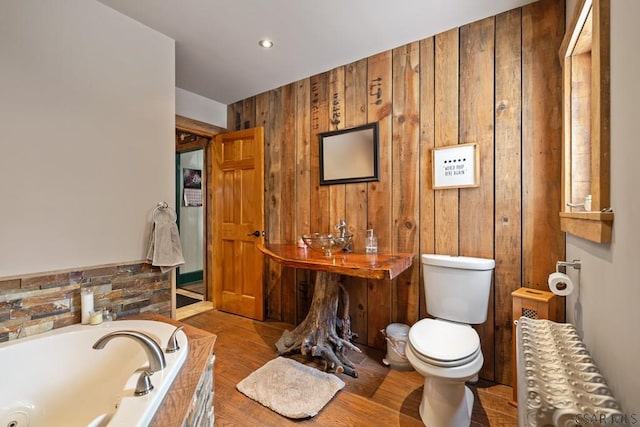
[40, 302]
[201, 413]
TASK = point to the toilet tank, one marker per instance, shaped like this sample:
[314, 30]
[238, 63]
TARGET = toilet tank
[457, 288]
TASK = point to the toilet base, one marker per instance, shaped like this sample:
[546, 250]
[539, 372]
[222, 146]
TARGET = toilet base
[446, 403]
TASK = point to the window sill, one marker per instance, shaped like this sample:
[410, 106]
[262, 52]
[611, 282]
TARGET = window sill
[594, 226]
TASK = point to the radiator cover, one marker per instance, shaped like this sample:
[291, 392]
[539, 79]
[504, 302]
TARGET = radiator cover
[559, 383]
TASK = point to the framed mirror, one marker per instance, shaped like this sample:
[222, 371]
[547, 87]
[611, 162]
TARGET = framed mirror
[349, 155]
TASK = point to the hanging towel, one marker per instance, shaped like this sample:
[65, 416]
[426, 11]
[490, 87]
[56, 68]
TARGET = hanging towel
[165, 250]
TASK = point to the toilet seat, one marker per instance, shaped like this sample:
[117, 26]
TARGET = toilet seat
[443, 343]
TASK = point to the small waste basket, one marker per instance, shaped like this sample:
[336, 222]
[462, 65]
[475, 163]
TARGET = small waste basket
[397, 336]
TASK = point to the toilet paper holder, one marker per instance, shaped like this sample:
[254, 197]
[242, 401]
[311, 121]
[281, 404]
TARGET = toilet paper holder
[561, 266]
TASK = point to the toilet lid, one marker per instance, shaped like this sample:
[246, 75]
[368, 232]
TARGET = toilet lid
[444, 343]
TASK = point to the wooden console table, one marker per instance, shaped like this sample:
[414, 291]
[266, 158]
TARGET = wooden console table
[317, 334]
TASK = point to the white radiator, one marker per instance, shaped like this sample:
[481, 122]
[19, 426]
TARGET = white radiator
[558, 381]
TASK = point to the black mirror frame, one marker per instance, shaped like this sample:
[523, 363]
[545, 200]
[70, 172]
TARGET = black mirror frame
[325, 137]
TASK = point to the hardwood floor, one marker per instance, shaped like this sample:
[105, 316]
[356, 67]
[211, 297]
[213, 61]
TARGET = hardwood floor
[378, 397]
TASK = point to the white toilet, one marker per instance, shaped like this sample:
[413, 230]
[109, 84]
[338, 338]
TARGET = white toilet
[446, 350]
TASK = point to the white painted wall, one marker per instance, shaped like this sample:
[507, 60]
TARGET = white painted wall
[194, 106]
[606, 307]
[87, 116]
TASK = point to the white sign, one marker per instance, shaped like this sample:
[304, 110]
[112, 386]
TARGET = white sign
[455, 166]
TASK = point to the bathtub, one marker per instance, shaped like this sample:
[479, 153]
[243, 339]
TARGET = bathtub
[58, 379]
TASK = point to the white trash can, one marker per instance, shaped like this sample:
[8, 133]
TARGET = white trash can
[397, 336]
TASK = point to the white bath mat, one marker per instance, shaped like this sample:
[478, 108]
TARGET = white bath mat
[290, 388]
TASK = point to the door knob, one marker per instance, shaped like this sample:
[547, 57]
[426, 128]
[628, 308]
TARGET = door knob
[254, 234]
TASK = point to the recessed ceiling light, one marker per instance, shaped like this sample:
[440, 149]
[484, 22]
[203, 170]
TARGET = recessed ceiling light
[265, 43]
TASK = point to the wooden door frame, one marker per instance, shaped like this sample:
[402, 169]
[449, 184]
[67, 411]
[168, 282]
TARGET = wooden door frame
[209, 132]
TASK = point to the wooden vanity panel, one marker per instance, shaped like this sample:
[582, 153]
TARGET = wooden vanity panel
[427, 143]
[273, 292]
[355, 114]
[337, 192]
[542, 239]
[508, 184]
[477, 52]
[319, 197]
[379, 295]
[286, 133]
[302, 189]
[376, 266]
[406, 155]
[446, 133]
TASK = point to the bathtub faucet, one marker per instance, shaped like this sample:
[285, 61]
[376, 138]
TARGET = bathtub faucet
[151, 348]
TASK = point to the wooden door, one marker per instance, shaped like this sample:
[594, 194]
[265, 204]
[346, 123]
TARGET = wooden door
[238, 222]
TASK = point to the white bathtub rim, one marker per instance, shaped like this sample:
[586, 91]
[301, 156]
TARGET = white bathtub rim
[129, 412]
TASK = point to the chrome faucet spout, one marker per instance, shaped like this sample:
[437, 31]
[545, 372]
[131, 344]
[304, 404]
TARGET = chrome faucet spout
[151, 348]
[342, 227]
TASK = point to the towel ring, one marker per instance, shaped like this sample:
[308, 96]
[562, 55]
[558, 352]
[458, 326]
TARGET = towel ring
[164, 206]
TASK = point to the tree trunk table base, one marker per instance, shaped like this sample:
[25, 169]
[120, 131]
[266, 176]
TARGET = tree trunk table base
[317, 334]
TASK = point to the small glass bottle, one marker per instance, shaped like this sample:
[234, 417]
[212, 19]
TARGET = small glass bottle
[108, 314]
[371, 243]
[587, 203]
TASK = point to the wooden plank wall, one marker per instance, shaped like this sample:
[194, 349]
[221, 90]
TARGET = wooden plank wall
[495, 82]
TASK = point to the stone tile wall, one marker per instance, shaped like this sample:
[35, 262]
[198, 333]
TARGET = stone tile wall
[40, 302]
[201, 412]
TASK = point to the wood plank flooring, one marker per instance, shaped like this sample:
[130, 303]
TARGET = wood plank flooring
[378, 397]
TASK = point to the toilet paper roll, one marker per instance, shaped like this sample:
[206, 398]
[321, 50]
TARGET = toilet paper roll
[560, 284]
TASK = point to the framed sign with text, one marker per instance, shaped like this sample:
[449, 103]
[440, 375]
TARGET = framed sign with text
[456, 166]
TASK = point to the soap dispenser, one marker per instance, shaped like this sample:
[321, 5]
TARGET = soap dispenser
[371, 243]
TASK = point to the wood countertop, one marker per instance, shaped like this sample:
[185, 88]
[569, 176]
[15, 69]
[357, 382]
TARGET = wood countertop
[176, 403]
[368, 266]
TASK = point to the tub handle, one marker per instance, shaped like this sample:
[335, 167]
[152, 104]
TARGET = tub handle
[172, 345]
[144, 385]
